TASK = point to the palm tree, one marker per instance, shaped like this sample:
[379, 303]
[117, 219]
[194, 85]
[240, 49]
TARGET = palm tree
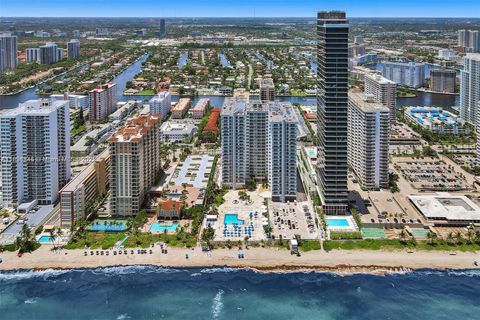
[174, 148]
[470, 234]
[403, 235]
[246, 241]
[458, 237]
[431, 236]
[53, 235]
[450, 237]
[135, 232]
[25, 241]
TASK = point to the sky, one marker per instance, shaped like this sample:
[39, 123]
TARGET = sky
[237, 8]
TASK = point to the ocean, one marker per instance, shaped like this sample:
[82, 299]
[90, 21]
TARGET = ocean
[149, 292]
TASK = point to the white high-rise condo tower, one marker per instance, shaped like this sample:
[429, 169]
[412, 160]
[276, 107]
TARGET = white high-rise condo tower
[35, 151]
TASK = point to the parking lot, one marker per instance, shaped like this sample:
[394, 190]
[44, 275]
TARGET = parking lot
[431, 175]
[464, 160]
[290, 219]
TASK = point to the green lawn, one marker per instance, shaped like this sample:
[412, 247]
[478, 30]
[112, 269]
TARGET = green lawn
[78, 130]
[145, 240]
[106, 240]
[96, 240]
[297, 93]
[147, 92]
[309, 245]
[386, 244]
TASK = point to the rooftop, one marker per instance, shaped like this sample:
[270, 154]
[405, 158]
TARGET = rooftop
[182, 104]
[427, 116]
[201, 105]
[73, 184]
[104, 87]
[473, 56]
[332, 15]
[378, 78]
[170, 127]
[365, 103]
[38, 107]
[135, 128]
[448, 207]
[266, 82]
[160, 96]
[277, 110]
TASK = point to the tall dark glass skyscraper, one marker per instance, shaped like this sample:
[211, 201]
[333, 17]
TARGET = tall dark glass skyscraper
[163, 30]
[332, 100]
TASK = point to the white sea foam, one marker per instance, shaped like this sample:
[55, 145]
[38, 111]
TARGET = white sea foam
[30, 274]
[215, 270]
[123, 316]
[30, 301]
[123, 270]
[217, 305]
[116, 270]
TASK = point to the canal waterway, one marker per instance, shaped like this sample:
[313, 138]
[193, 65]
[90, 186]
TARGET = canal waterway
[422, 98]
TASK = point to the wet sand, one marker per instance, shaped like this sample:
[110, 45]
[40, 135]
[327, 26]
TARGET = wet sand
[262, 259]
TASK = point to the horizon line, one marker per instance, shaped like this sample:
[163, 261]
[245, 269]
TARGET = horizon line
[249, 17]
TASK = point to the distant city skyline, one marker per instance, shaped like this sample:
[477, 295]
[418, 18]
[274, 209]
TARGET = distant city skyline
[240, 8]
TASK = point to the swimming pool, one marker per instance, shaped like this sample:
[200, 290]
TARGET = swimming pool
[161, 227]
[108, 225]
[231, 218]
[337, 222]
[45, 239]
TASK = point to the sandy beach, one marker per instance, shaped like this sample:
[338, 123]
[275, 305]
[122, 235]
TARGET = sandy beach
[263, 259]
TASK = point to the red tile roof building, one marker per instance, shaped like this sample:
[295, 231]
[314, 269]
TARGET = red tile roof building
[211, 125]
[181, 108]
[169, 209]
[135, 163]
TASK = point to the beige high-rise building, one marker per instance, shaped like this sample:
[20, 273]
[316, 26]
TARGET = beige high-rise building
[135, 163]
[368, 139]
[384, 91]
[81, 192]
[267, 89]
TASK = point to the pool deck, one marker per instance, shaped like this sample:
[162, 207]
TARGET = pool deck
[233, 205]
[352, 225]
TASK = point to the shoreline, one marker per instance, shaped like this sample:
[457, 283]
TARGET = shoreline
[340, 262]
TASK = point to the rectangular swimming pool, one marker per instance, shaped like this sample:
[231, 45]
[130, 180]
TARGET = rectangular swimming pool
[45, 239]
[108, 225]
[337, 222]
[156, 227]
[232, 218]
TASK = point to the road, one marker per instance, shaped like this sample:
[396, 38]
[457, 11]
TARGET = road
[250, 75]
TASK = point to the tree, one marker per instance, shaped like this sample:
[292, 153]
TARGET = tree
[53, 236]
[250, 184]
[431, 236]
[450, 237]
[458, 237]
[243, 195]
[246, 240]
[470, 235]
[208, 234]
[135, 232]
[403, 236]
[25, 241]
